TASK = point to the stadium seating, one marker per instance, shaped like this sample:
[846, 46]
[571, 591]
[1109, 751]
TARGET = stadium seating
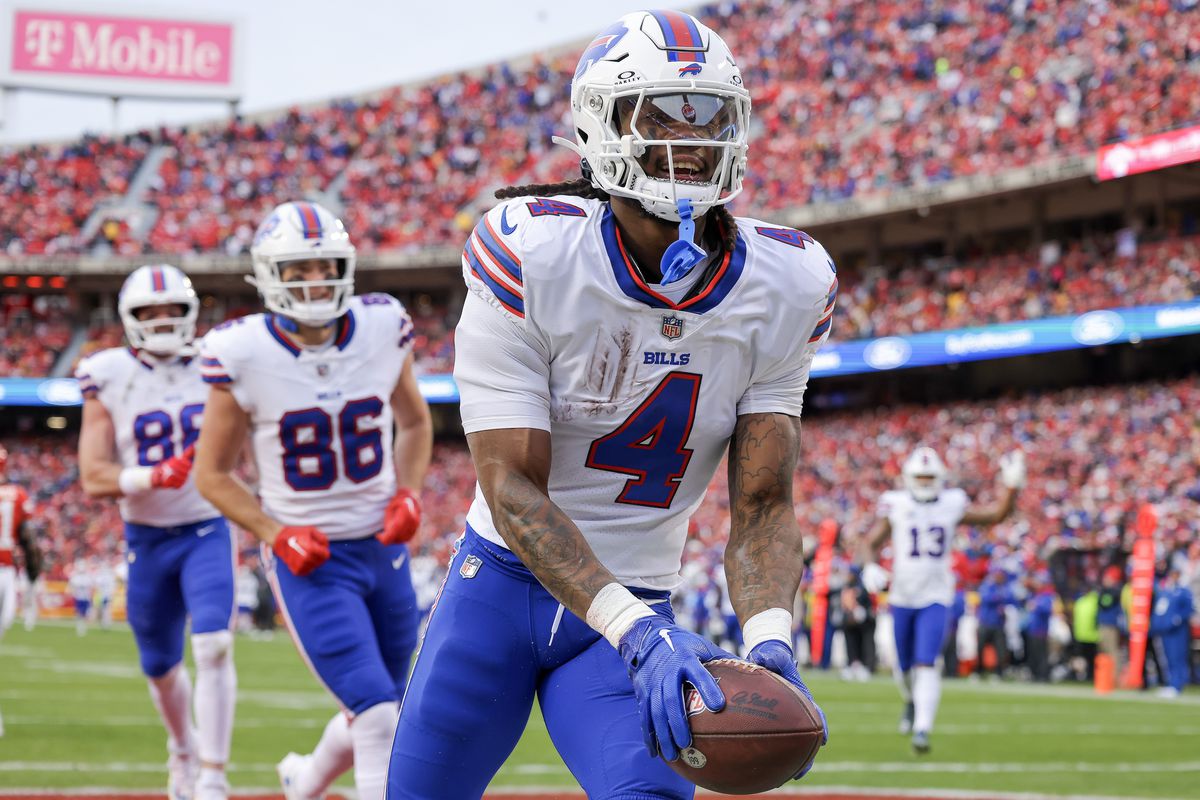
[49, 191]
[905, 93]
[1095, 455]
[31, 339]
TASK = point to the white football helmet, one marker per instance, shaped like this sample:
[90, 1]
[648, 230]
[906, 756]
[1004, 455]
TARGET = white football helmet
[156, 285]
[299, 231]
[924, 474]
[673, 82]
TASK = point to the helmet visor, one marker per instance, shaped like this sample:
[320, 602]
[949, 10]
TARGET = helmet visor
[690, 116]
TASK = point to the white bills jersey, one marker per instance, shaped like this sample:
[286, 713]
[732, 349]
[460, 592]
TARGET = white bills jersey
[639, 390]
[156, 408]
[320, 418]
[922, 539]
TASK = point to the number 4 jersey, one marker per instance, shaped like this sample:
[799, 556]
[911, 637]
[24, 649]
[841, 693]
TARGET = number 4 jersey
[640, 391]
[320, 419]
[156, 408]
[922, 535]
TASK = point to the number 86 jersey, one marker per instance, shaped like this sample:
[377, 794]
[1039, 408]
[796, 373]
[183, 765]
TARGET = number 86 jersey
[156, 408]
[320, 418]
[640, 391]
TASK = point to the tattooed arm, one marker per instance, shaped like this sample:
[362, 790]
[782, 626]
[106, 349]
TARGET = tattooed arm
[513, 465]
[764, 557]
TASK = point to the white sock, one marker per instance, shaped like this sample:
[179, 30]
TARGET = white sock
[172, 696]
[372, 732]
[216, 693]
[904, 682]
[927, 692]
[333, 755]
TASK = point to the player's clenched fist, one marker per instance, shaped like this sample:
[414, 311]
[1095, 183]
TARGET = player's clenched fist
[302, 547]
[402, 518]
[173, 473]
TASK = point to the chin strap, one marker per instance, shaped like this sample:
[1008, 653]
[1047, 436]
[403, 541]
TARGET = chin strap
[291, 326]
[684, 253]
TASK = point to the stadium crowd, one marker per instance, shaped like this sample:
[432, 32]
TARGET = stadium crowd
[34, 330]
[1095, 455]
[901, 93]
[1068, 277]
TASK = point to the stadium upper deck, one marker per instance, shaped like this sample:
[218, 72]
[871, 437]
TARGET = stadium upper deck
[850, 100]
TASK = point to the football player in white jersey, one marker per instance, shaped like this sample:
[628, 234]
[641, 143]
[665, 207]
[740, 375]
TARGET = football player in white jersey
[318, 383]
[621, 334]
[142, 410]
[920, 521]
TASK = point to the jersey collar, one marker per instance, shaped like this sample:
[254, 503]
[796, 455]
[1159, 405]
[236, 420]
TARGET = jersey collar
[345, 332]
[719, 285]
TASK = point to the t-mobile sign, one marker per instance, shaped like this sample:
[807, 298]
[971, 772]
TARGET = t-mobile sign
[121, 54]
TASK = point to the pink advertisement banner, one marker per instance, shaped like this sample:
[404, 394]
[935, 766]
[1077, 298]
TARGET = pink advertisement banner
[74, 45]
[1148, 153]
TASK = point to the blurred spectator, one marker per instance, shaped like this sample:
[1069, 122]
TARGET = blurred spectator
[1109, 616]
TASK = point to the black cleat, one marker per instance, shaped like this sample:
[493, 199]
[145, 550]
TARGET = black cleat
[920, 743]
[906, 719]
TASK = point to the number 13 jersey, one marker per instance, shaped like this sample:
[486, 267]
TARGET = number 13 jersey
[640, 393]
[320, 419]
[922, 535]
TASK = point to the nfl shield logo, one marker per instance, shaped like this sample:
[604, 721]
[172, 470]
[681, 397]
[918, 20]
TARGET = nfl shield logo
[470, 567]
[672, 327]
[322, 370]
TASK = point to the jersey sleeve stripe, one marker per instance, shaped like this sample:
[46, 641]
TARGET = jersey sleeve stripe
[822, 326]
[482, 250]
[509, 299]
[831, 298]
[210, 361]
[89, 390]
[498, 250]
[214, 378]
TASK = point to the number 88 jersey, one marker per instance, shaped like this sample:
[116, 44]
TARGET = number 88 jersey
[922, 537]
[156, 408]
[320, 419]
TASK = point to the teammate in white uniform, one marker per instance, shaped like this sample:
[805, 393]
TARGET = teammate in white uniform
[920, 521]
[318, 384]
[620, 335]
[142, 410]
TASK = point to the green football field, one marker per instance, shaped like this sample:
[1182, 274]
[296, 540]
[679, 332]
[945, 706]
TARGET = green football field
[77, 716]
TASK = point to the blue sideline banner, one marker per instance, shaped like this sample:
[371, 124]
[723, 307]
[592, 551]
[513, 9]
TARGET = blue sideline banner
[1110, 326]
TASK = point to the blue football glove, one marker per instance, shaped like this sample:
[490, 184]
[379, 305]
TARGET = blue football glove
[777, 657]
[660, 656]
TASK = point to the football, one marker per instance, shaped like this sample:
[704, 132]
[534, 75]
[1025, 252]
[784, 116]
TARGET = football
[767, 732]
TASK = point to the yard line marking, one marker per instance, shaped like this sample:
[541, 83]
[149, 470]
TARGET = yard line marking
[996, 767]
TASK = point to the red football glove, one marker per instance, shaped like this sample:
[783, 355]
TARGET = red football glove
[302, 547]
[173, 473]
[402, 518]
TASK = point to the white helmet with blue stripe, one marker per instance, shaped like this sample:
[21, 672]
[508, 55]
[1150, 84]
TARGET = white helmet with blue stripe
[924, 474]
[158, 285]
[660, 113]
[300, 231]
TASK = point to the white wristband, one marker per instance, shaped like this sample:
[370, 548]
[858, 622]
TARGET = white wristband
[613, 612]
[774, 623]
[134, 480]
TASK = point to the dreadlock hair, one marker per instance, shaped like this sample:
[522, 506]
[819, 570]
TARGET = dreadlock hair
[583, 187]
